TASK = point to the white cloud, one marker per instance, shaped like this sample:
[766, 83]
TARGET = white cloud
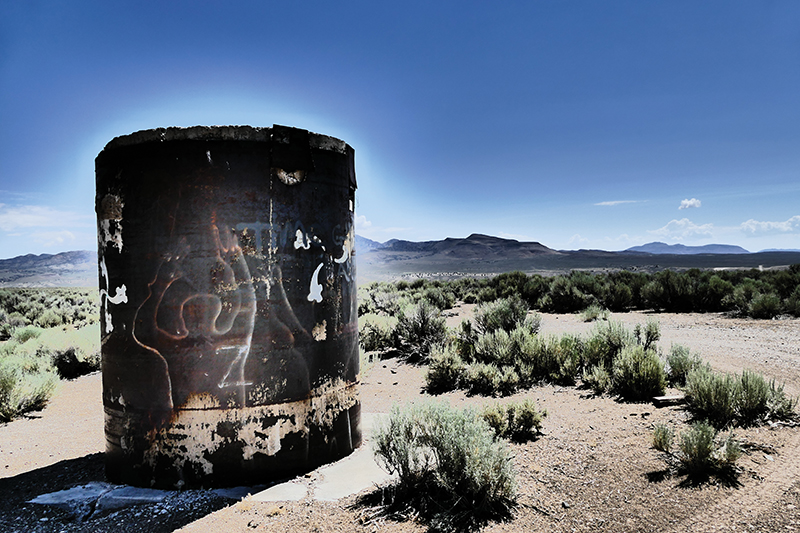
[49, 239]
[38, 216]
[618, 202]
[362, 222]
[755, 227]
[577, 239]
[686, 204]
[683, 229]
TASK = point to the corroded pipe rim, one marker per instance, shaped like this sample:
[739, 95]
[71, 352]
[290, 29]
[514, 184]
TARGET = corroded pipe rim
[222, 133]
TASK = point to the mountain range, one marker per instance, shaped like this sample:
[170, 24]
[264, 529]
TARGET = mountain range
[451, 257]
[67, 269]
[680, 249]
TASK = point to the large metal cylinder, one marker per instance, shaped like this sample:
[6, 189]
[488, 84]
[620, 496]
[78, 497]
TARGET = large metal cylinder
[228, 304]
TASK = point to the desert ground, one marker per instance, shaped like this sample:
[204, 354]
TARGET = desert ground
[592, 469]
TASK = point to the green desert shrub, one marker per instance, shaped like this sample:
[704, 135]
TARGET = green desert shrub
[567, 360]
[495, 347]
[638, 374]
[753, 396]
[519, 422]
[598, 378]
[712, 396]
[376, 332]
[618, 296]
[50, 319]
[792, 303]
[701, 450]
[701, 454]
[605, 342]
[465, 339]
[482, 378]
[746, 399]
[508, 380]
[681, 361]
[27, 382]
[417, 284]
[26, 333]
[594, 312]
[446, 369]
[548, 359]
[486, 295]
[450, 468]
[759, 400]
[418, 330]
[522, 344]
[781, 406]
[565, 296]
[440, 298]
[653, 295]
[505, 314]
[765, 306]
[382, 298]
[647, 335]
[663, 436]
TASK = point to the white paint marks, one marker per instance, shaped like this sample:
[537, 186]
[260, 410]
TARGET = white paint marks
[315, 292]
[301, 241]
[236, 367]
[120, 297]
[346, 250]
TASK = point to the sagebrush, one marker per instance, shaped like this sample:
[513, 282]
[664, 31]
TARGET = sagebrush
[450, 467]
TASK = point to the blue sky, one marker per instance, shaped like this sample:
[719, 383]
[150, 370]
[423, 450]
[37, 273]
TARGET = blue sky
[578, 124]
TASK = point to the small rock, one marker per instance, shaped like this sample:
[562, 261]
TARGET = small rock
[565, 505]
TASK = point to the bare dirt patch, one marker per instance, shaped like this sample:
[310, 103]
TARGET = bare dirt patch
[593, 469]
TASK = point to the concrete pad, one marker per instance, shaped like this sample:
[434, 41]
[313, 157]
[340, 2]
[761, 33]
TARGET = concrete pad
[126, 496]
[78, 501]
[66, 498]
[291, 491]
[350, 475]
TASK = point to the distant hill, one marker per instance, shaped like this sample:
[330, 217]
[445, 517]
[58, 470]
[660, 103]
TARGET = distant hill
[67, 269]
[680, 249]
[480, 255]
[365, 245]
[476, 246]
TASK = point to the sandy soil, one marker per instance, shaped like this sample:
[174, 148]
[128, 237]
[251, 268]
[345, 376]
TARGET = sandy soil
[593, 469]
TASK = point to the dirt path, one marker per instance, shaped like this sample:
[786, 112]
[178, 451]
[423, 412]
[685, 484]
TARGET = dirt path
[69, 428]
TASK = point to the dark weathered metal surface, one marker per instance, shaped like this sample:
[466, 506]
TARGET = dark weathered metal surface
[227, 268]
